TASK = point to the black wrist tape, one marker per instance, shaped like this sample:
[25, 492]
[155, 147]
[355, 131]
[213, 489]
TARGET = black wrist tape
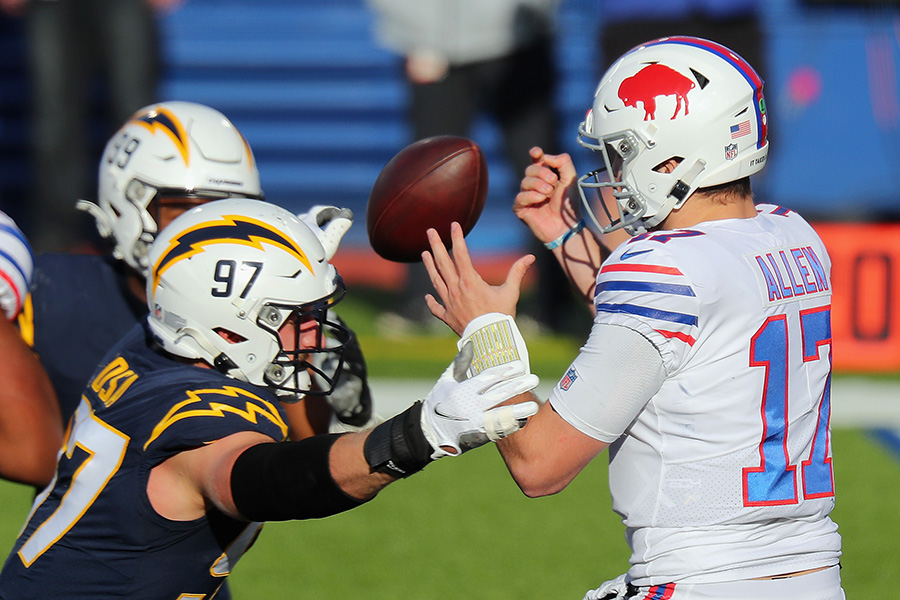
[288, 480]
[398, 447]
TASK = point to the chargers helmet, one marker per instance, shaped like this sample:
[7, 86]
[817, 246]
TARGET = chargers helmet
[225, 276]
[170, 149]
[682, 98]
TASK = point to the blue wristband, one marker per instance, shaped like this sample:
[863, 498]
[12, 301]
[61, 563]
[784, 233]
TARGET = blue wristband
[565, 237]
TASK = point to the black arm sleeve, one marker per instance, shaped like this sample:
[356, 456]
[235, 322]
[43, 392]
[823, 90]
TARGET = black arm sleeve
[288, 480]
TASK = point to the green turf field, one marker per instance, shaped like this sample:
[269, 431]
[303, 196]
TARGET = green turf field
[461, 528]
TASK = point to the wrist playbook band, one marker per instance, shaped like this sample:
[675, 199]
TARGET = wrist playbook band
[565, 237]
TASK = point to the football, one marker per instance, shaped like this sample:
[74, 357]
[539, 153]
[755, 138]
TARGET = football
[430, 183]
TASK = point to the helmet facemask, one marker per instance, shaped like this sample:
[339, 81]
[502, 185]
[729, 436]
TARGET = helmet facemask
[288, 374]
[607, 184]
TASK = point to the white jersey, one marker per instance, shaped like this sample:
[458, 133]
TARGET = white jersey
[726, 472]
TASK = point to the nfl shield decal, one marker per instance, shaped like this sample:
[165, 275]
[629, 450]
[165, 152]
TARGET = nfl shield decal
[567, 381]
[731, 151]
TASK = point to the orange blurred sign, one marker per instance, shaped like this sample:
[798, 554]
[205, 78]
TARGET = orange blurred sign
[865, 312]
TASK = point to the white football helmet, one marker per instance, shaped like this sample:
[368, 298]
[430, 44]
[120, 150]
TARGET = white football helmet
[226, 275]
[677, 97]
[170, 149]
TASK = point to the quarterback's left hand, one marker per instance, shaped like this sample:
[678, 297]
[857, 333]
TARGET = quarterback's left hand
[16, 267]
[459, 414]
[329, 223]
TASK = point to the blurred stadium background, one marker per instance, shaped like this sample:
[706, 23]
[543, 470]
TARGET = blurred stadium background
[323, 106]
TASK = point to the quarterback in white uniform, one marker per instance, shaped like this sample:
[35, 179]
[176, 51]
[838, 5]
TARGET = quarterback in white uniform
[707, 371]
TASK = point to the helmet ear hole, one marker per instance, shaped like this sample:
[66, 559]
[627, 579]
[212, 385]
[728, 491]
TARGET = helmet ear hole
[229, 336]
[668, 165]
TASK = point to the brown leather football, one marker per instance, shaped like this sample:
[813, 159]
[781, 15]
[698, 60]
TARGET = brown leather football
[430, 183]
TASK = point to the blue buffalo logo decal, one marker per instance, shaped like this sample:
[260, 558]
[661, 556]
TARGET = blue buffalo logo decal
[229, 229]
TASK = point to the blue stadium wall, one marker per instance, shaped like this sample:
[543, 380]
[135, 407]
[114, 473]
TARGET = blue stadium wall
[323, 105]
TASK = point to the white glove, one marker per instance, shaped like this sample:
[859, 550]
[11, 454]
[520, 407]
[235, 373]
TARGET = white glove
[459, 413]
[610, 590]
[329, 223]
[16, 267]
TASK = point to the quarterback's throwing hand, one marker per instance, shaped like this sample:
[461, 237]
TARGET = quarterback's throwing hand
[460, 414]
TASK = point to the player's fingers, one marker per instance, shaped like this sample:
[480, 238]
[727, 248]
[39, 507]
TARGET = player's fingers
[436, 308]
[436, 279]
[460, 250]
[563, 164]
[536, 153]
[518, 270]
[505, 420]
[541, 181]
[442, 261]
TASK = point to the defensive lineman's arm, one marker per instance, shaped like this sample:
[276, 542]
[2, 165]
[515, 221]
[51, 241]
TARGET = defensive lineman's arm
[247, 475]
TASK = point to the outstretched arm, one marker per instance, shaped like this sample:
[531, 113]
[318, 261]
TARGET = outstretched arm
[547, 454]
[247, 475]
[545, 457]
[30, 423]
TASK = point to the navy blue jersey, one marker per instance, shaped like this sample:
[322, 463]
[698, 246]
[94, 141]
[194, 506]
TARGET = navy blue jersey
[93, 532]
[80, 307]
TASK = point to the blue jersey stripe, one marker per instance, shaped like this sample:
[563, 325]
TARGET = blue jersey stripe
[646, 286]
[643, 311]
[14, 232]
[15, 264]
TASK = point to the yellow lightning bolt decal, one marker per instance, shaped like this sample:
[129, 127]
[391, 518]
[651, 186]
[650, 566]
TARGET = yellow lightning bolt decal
[197, 406]
[161, 119]
[229, 229]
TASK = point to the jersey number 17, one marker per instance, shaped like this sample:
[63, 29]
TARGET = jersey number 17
[774, 481]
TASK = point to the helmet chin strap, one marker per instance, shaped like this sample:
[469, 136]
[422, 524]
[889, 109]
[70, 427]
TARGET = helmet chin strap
[303, 381]
[683, 186]
[678, 194]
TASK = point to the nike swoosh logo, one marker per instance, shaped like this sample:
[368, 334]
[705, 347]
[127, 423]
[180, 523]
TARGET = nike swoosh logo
[626, 255]
[442, 414]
